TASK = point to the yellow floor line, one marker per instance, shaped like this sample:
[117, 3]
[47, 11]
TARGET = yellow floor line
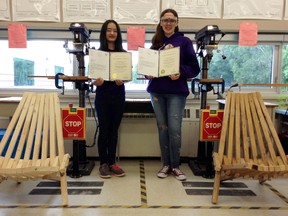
[143, 184]
[142, 206]
[285, 199]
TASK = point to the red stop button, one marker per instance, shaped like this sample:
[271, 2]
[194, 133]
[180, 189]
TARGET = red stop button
[73, 123]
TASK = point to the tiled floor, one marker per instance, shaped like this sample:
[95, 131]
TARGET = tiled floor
[140, 192]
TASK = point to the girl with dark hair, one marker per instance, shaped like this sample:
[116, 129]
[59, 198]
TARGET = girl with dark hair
[109, 104]
[168, 94]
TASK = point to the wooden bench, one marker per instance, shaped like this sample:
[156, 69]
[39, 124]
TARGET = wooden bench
[249, 145]
[36, 147]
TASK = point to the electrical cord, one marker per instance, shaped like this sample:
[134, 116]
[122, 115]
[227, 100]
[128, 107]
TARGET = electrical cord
[96, 121]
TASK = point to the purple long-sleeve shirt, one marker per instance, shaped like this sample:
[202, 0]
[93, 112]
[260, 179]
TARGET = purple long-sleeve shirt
[189, 68]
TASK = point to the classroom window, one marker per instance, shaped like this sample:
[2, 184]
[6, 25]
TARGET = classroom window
[285, 64]
[243, 64]
[40, 58]
[48, 57]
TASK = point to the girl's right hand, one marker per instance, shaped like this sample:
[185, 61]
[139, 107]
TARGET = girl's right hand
[149, 77]
[98, 82]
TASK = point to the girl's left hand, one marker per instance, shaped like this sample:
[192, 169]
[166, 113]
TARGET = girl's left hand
[119, 82]
[175, 76]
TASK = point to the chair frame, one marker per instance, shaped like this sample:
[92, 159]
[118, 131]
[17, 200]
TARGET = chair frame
[249, 145]
[36, 147]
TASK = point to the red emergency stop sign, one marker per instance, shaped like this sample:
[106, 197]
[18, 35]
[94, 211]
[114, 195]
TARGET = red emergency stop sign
[73, 123]
[211, 125]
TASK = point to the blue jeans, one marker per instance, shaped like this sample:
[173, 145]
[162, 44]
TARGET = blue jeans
[169, 109]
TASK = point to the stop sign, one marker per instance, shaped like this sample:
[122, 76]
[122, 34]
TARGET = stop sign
[73, 123]
[211, 125]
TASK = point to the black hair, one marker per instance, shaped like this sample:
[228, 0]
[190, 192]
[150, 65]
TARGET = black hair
[103, 39]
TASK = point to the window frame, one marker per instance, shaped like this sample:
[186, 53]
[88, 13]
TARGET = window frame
[265, 38]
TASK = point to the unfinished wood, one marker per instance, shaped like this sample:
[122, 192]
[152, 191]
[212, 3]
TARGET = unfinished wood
[249, 146]
[36, 149]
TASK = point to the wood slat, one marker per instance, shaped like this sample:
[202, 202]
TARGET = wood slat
[59, 132]
[39, 129]
[251, 134]
[224, 129]
[237, 128]
[45, 136]
[231, 130]
[52, 128]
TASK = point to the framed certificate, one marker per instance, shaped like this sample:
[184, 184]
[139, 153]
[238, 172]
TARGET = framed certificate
[159, 63]
[110, 65]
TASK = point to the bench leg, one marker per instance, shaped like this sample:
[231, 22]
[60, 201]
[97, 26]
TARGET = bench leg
[216, 187]
[64, 190]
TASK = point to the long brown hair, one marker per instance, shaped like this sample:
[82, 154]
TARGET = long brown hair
[158, 38]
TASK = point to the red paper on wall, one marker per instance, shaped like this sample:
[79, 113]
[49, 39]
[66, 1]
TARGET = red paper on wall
[248, 34]
[135, 37]
[17, 35]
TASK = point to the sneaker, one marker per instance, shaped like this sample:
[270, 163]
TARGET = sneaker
[104, 171]
[178, 174]
[117, 170]
[163, 173]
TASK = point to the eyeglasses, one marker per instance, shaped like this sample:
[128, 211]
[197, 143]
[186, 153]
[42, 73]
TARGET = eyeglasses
[168, 20]
[111, 31]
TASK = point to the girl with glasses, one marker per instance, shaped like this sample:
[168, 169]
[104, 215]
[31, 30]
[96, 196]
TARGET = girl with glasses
[168, 94]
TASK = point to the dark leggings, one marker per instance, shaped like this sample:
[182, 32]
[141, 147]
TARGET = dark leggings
[109, 111]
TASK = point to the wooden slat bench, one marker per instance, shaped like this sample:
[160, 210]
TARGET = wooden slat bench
[249, 145]
[36, 147]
